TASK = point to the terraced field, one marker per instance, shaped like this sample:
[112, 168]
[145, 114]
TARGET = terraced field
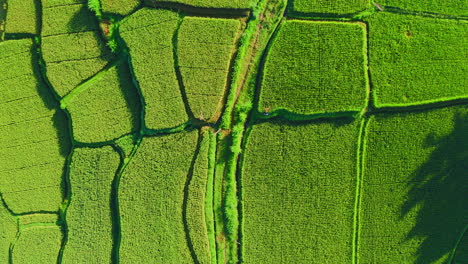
[246, 131]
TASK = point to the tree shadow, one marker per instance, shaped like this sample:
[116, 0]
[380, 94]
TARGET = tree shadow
[439, 191]
[83, 20]
[130, 94]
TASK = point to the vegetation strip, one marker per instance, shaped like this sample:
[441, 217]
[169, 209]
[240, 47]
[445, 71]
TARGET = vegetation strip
[361, 149]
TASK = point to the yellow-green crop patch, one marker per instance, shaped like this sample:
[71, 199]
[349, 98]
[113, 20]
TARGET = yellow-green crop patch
[414, 199]
[298, 192]
[443, 7]
[416, 60]
[315, 68]
[121, 7]
[204, 49]
[65, 19]
[33, 134]
[8, 230]
[337, 7]
[88, 215]
[21, 17]
[37, 244]
[151, 197]
[71, 46]
[149, 33]
[104, 108]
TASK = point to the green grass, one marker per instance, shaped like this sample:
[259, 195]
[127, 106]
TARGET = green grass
[121, 7]
[21, 17]
[338, 7]
[455, 8]
[151, 197]
[196, 193]
[414, 203]
[415, 60]
[209, 197]
[106, 109]
[204, 49]
[37, 244]
[298, 192]
[33, 134]
[315, 68]
[8, 230]
[235, 4]
[89, 215]
[148, 34]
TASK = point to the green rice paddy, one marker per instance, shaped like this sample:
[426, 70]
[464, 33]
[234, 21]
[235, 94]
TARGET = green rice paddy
[246, 131]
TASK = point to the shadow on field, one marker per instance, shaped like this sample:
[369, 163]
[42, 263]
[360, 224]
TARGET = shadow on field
[130, 94]
[82, 20]
[59, 118]
[439, 190]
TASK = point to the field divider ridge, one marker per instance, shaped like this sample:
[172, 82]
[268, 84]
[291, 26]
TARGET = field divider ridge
[361, 153]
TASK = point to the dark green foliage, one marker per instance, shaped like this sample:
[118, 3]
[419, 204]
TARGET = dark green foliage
[37, 244]
[148, 33]
[298, 192]
[339, 7]
[414, 186]
[21, 17]
[416, 60]
[33, 134]
[151, 196]
[315, 68]
[106, 108]
[204, 49]
[88, 215]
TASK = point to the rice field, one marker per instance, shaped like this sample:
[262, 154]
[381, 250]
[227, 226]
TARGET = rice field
[224, 132]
